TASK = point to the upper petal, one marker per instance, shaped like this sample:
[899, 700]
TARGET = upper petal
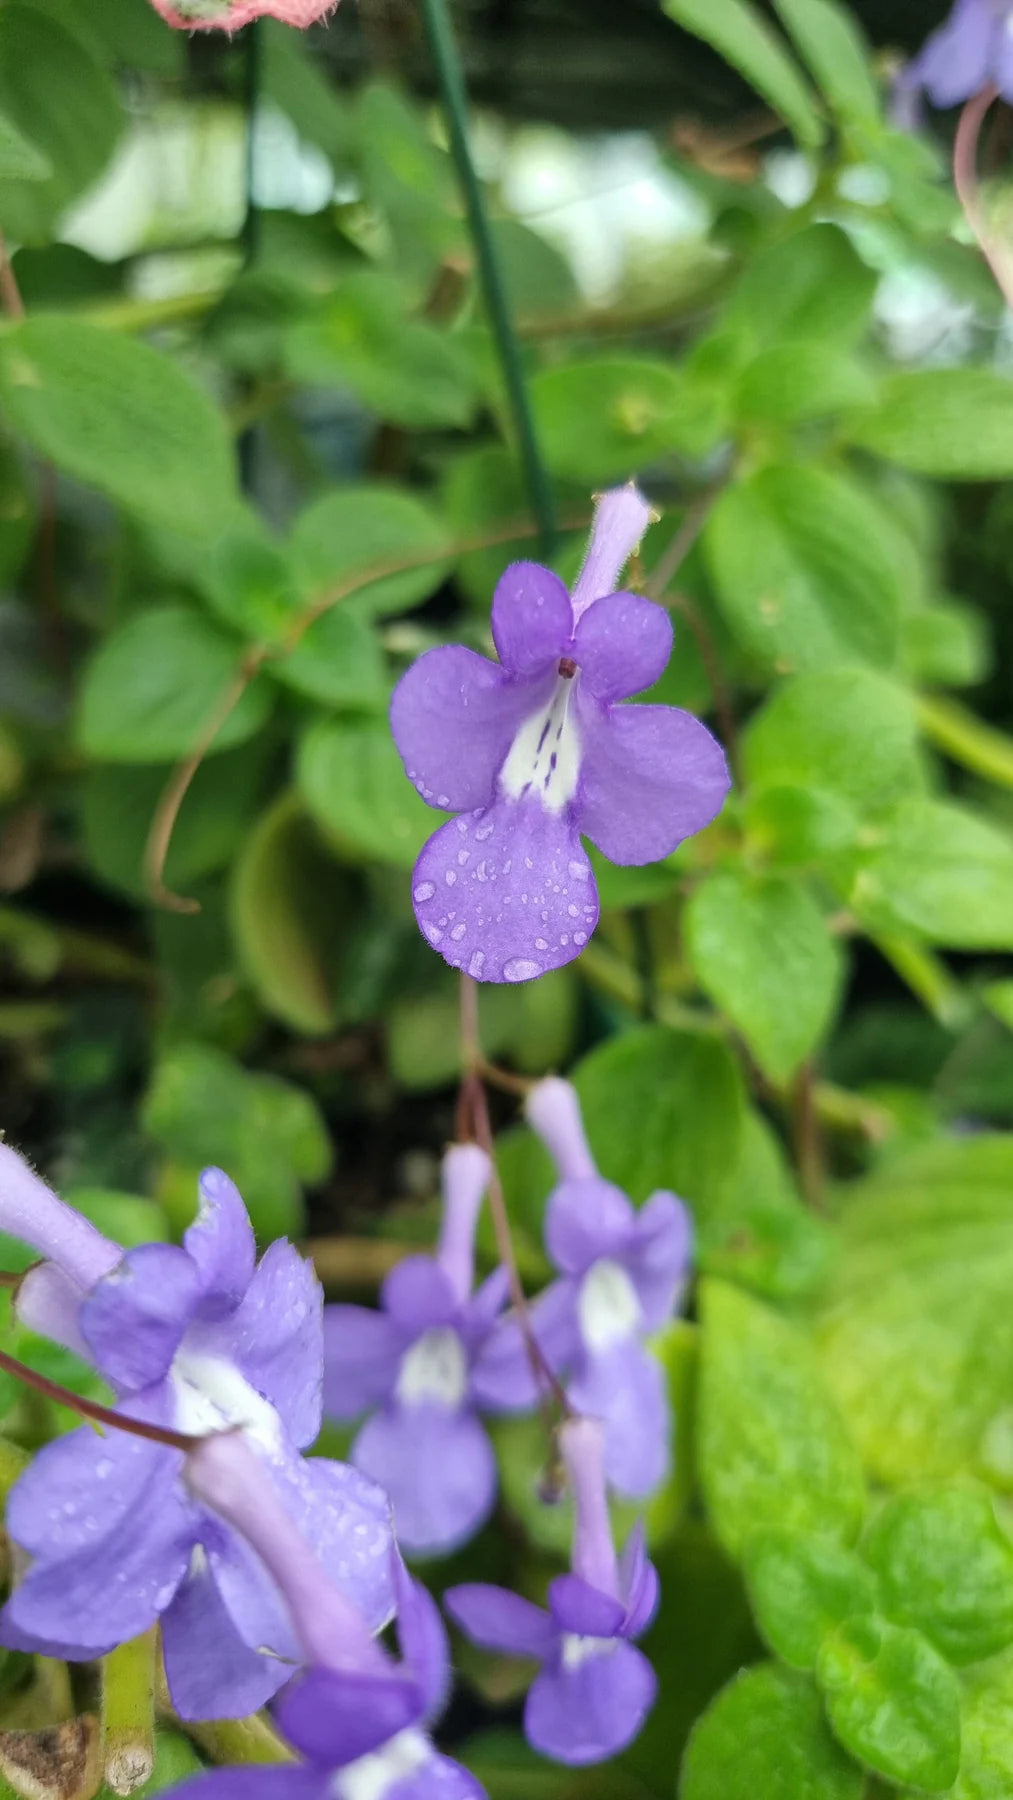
[638, 1579]
[585, 1219]
[590, 1710]
[276, 1338]
[134, 1318]
[418, 1293]
[650, 777]
[454, 715]
[508, 893]
[362, 1350]
[221, 1244]
[532, 619]
[438, 1468]
[211, 1672]
[621, 516]
[502, 1378]
[579, 1607]
[622, 645]
[659, 1257]
[498, 1619]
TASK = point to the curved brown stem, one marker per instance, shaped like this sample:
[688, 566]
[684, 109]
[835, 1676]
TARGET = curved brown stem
[965, 180]
[90, 1409]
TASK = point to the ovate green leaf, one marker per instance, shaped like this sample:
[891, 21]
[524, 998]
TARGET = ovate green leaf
[946, 1566]
[350, 532]
[954, 423]
[892, 1701]
[849, 732]
[802, 1587]
[765, 1735]
[933, 869]
[353, 781]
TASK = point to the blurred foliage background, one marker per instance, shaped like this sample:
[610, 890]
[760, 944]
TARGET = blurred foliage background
[256, 456]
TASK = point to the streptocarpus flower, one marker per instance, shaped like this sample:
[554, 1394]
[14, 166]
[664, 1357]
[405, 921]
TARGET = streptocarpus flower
[594, 1689]
[535, 750]
[357, 1718]
[229, 15]
[416, 1368]
[971, 49]
[197, 1338]
[622, 1273]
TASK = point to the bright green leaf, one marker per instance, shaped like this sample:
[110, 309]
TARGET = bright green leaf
[353, 782]
[607, 417]
[986, 1761]
[800, 1588]
[743, 37]
[797, 827]
[916, 1335]
[761, 1235]
[773, 1448]
[120, 416]
[790, 382]
[829, 39]
[892, 1701]
[849, 732]
[810, 286]
[761, 948]
[292, 909]
[338, 661]
[352, 531]
[685, 1092]
[20, 159]
[945, 1566]
[953, 423]
[765, 1738]
[155, 685]
[933, 869]
[804, 566]
[63, 109]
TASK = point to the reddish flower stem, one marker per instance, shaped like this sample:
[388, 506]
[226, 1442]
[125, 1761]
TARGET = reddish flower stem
[965, 180]
[90, 1409]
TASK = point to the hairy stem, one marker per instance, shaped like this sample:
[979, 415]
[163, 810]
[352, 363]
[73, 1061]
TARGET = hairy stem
[128, 1712]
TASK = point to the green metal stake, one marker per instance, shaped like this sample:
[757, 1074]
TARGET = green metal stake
[455, 104]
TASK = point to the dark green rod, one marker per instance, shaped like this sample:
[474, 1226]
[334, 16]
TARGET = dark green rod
[455, 103]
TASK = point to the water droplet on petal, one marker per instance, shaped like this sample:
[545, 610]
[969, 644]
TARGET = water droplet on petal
[450, 876]
[580, 937]
[424, 891]
[458, 932]
[580, 871]
[433, 933]
[476, 965]
[521, 968]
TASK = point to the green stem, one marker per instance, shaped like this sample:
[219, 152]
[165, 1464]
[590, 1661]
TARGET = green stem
[440, 32]
[928, 978]
[965, 738]
[250, 1740]
[128, 1712]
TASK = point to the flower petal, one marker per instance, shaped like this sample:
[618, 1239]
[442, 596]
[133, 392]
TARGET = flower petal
[623, 1387]
[418, 1294]
[288, 1782]
[507, 893]
[638, 1579]
[454, 715]
[438, 1778]
[47, 1301]
[334, 1717]
[133, 1320]
[221, 1244]
[438, 1468]
[211, 1672]
[658, 1259]
[423, 1641]
[85, 1486]
[498, 1619]
[585, 1219]
[955, 61]
[29, 1210]
[622, 645]
[650, 777]
[621, 516]
[276, 1338]
[577, 1606]
[362, 1349]
[502, 1379]
[592, 1709]
[532, 619]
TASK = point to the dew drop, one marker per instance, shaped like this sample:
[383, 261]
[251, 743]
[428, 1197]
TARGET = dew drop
[541, 944]
[463, 857]
[443, 799]
[521, 968]
[458, 932]
[580, 937]
[580, 871]
[476, 965]
[424, 891]
[572, 910]
[450, 876]
[433, 933]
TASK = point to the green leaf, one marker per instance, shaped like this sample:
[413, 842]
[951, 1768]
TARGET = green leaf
[353, 781]
[986, 1761]
[539, 280]
[945, 646]
[848, 732]
[998, 997]
[797, 827]
[338, 661]
[292, 910]
[20, 159]
[761, 1235]
[120, 416]
[804, 567]
[155, 685]
[118, 804]
[892, 1701]
[64, 115]
[350, 531]
[743, 37]
[933, 869]
[773, 1449]
[760, 947]
[126, 1218]
[484, 491]
[800, 1588]
[945, 1566]
[953, 423]
[248, 579]
[810, 286]
[916, 1335]
[607, 417]
[803, 379]
[533, 1024]
[765, 1735]
[828, 37]
[266, 1133]
[686, 1094]
[295, 80]
[363, 338]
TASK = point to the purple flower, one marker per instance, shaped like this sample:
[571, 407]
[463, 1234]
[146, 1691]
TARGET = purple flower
[622, 1273]
[534, 750]
[594, 1690]
[419, 1364]
[197, 1339]
[972, 49]
[357, 1718]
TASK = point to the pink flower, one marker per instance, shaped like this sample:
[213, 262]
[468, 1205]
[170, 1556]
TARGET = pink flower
[229, 15]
